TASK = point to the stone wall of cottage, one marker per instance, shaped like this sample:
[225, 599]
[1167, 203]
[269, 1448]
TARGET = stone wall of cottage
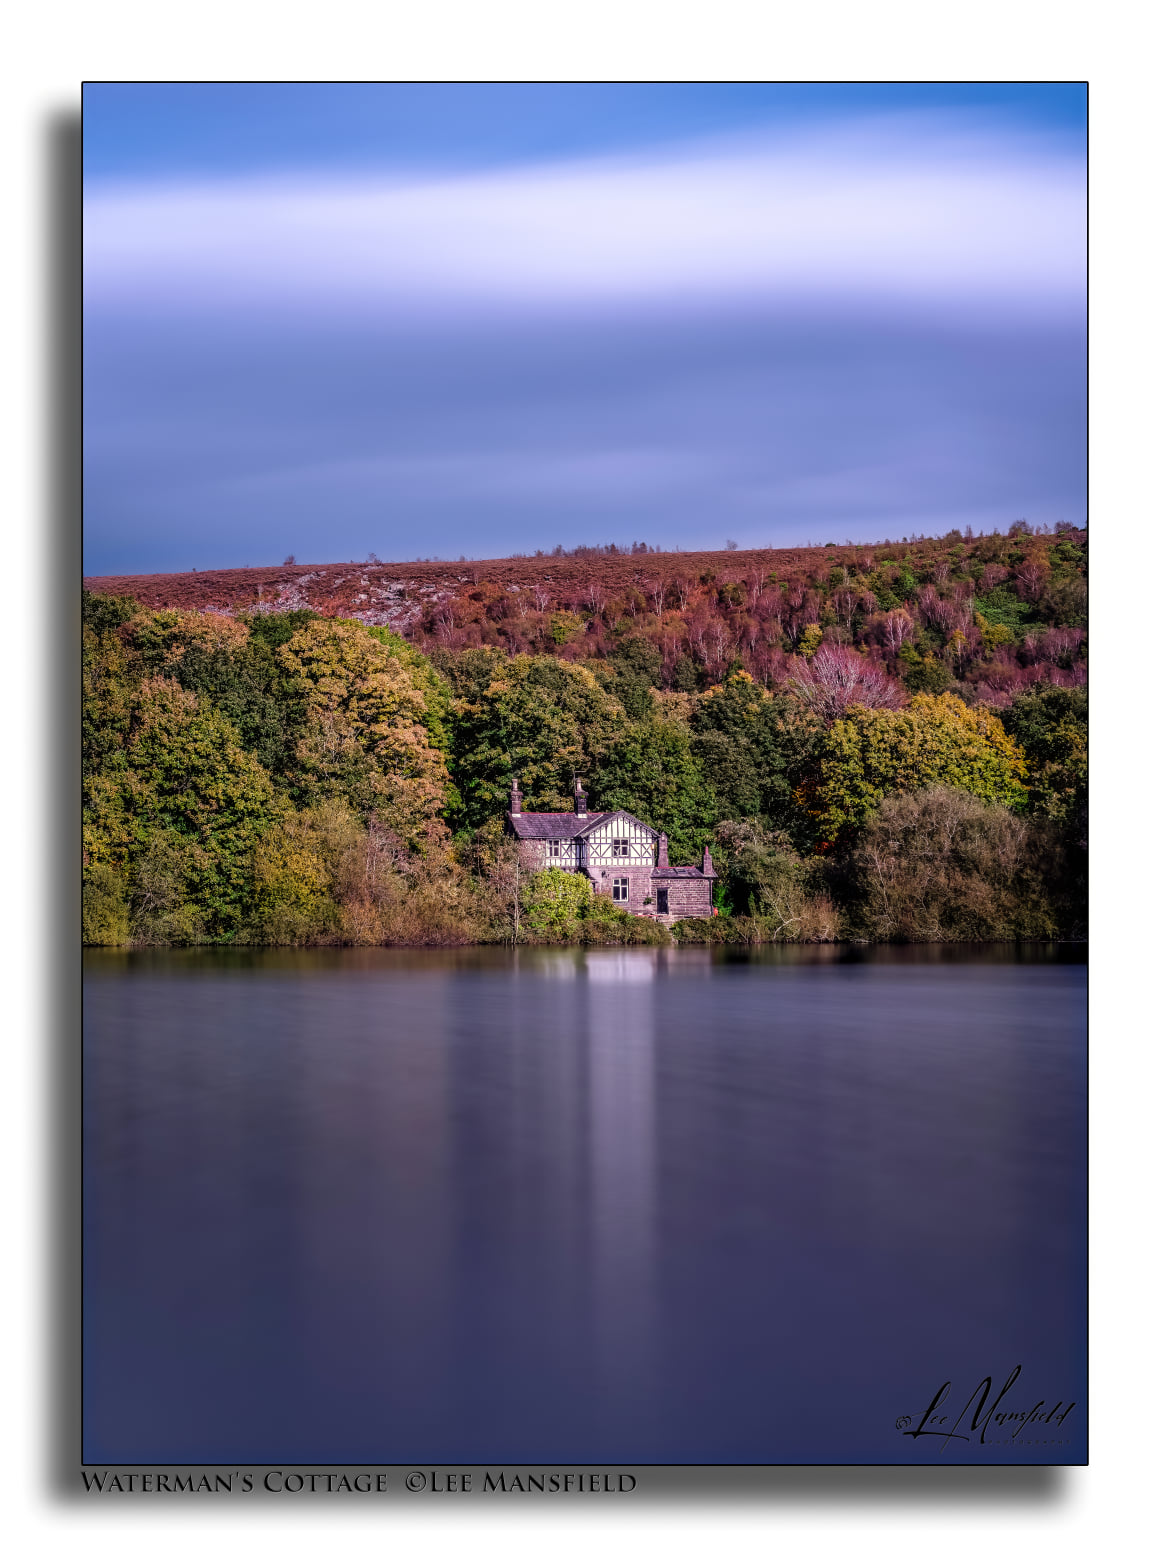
[689, 897]
[639, 886]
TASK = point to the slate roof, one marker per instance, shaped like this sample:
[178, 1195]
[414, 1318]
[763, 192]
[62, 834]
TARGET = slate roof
[675, 872]
[562, 824]
[549, 824]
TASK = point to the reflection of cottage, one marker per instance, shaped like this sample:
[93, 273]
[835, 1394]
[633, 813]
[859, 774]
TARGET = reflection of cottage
[624, 859]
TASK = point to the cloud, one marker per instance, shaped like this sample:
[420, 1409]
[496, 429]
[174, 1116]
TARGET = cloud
[847, 332]
[222, 444]
[917, 213]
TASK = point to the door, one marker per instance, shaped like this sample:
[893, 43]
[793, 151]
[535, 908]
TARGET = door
[664, 906]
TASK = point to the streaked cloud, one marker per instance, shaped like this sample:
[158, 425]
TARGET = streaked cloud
[849, 330]
[881, 210]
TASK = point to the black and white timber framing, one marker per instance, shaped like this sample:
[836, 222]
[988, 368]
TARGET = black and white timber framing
[625, 859]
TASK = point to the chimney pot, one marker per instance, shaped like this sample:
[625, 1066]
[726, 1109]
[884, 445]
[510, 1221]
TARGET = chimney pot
[580, 805]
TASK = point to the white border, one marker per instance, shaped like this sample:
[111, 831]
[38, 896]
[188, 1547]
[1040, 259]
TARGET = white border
[52, 46]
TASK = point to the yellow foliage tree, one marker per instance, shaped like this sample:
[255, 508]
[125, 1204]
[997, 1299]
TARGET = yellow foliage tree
[367, 738]
[936, 740]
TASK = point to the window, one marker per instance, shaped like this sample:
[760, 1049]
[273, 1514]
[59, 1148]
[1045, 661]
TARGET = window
[621, 889]
[620, 849]
[664, 906]
[553, 848]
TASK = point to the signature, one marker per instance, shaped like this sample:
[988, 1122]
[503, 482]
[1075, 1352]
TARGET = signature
[1038, 1424]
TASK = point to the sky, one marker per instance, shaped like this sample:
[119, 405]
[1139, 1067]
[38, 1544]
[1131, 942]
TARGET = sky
[439, 320]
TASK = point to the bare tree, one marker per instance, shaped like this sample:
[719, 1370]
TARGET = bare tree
[721, 639]
[443, 621]
[697, 637]
[657, 591]
[897, 628]
[837, 678]
[845, 603]
[992, 576]
[1030, 580]
[541, 598]
[384, 852]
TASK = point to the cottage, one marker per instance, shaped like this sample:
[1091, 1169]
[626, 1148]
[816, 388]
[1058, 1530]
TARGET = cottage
[624, 859]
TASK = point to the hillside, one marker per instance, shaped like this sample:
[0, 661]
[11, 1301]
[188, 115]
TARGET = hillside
[988, 616]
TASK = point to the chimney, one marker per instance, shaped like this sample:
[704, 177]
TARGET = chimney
[663, 861]
[514, 802]
[708, 868]
[579, 799]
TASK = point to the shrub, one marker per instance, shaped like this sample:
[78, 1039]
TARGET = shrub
[928, 674]
[941, 865]
[776, 894]
[105, 917]
[604, 924]
[555, 903]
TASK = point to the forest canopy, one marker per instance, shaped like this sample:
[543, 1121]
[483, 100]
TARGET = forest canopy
[888, 750]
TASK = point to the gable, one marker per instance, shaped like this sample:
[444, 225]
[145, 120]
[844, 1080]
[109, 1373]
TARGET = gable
[611, 825]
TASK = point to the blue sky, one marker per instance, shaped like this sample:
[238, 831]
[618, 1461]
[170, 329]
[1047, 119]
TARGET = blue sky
[423, 320]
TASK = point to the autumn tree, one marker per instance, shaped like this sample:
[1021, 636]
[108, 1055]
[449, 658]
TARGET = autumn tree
[373, 734]
[869, 754]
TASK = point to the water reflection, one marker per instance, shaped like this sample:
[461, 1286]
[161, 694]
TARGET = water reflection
[672, 1206]
[622, 1154]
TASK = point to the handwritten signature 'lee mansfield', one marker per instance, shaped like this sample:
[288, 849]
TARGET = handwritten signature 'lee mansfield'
[1020, 1424]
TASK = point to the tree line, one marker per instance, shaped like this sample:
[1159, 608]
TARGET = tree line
[283, 778]
[982, 617]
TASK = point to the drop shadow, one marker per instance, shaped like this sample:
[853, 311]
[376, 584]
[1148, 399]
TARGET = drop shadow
[60, 965]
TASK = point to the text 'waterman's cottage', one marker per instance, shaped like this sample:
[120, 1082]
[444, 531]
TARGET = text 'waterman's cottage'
[624, 859]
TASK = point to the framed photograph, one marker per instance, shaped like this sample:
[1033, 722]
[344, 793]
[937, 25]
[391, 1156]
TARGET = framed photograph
[584, 631]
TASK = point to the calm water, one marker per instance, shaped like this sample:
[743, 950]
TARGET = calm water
[569, 1207]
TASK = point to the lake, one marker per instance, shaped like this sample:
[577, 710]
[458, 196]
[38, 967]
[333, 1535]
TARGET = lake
[485, 1206]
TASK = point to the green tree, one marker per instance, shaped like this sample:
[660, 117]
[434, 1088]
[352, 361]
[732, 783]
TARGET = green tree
[232, 665]
[753, 749]
[538, 721]
[177, 809]
[635, 668]
[764, 878]
[925, 674]
[105, 916]
[1052, 726]
[937, 740]
[651, 772]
